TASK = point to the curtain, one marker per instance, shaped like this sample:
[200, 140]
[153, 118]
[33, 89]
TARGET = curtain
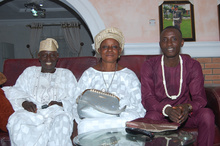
[35, 36]
[72, 36]
[55, 31]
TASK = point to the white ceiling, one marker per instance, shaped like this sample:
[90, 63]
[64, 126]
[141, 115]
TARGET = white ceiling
[15, 9]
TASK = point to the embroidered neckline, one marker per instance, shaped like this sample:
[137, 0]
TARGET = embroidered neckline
[173, 97]
[52, 77]
[107, 87]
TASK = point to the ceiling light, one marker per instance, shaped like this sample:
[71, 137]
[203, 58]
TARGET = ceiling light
[34, 12]
[35, 9]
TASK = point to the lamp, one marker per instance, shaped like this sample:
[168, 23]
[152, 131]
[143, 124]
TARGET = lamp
[34, 12]
[36, 9]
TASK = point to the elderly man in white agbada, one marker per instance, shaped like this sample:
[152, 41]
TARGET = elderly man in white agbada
[43, 98]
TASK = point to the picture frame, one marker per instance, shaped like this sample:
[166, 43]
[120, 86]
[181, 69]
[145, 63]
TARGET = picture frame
[219, 18]
[179, 14]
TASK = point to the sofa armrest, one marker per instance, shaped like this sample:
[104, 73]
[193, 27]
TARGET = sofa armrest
[213, 102]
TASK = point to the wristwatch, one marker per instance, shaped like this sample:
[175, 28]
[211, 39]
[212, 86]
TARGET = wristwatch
[190, 108]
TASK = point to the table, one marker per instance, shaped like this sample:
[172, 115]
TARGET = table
[119, 137]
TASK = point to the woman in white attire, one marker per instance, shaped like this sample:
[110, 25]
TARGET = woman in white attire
[109, 76]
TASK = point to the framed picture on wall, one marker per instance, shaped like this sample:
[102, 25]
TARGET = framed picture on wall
[219, 19]
[179, 14]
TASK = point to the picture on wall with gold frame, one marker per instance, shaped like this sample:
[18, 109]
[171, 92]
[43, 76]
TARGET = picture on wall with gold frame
[179, 14]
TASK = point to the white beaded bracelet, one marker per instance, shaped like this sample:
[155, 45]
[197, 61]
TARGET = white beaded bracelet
[163, 111]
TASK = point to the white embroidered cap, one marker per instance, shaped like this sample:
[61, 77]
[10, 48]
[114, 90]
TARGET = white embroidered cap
[49, 44]
[113, 33]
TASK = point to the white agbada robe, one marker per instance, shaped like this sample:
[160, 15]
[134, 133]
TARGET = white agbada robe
[52, 126]
[125, 85]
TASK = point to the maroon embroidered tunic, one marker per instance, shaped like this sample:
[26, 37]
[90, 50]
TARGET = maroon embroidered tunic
[153, 94]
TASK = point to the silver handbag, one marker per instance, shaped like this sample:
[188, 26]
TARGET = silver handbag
[94, 103]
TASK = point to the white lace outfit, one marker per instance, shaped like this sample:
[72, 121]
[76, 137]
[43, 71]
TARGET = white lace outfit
[125, 85]
[48, 127]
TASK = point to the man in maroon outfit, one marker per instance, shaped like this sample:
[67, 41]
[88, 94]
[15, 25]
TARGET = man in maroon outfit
[173, 88]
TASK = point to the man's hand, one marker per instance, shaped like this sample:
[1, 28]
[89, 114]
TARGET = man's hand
[29, 106]
[178, 114]
[55, 102]
[174, 113]
[185, 112]
[75, 132]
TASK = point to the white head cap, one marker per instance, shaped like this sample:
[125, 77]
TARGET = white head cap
[49, 44]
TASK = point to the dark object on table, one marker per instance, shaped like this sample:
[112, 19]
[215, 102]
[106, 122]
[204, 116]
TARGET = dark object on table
[139, 131]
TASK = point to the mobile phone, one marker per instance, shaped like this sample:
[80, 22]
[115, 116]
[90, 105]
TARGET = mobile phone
[44, 106]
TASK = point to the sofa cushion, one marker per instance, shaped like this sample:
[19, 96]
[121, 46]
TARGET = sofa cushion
[5, 111]
[213, 102]
[4, 139]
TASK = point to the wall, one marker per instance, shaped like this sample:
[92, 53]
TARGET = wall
[128, 14]
[211, 70]
[206, 20]
[19, 36]
[133, 16]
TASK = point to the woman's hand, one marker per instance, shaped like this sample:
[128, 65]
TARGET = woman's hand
[29, 106]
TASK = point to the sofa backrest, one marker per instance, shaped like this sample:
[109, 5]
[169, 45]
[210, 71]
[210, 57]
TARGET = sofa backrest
[14, 67]
[134, 62]
[77, 64]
